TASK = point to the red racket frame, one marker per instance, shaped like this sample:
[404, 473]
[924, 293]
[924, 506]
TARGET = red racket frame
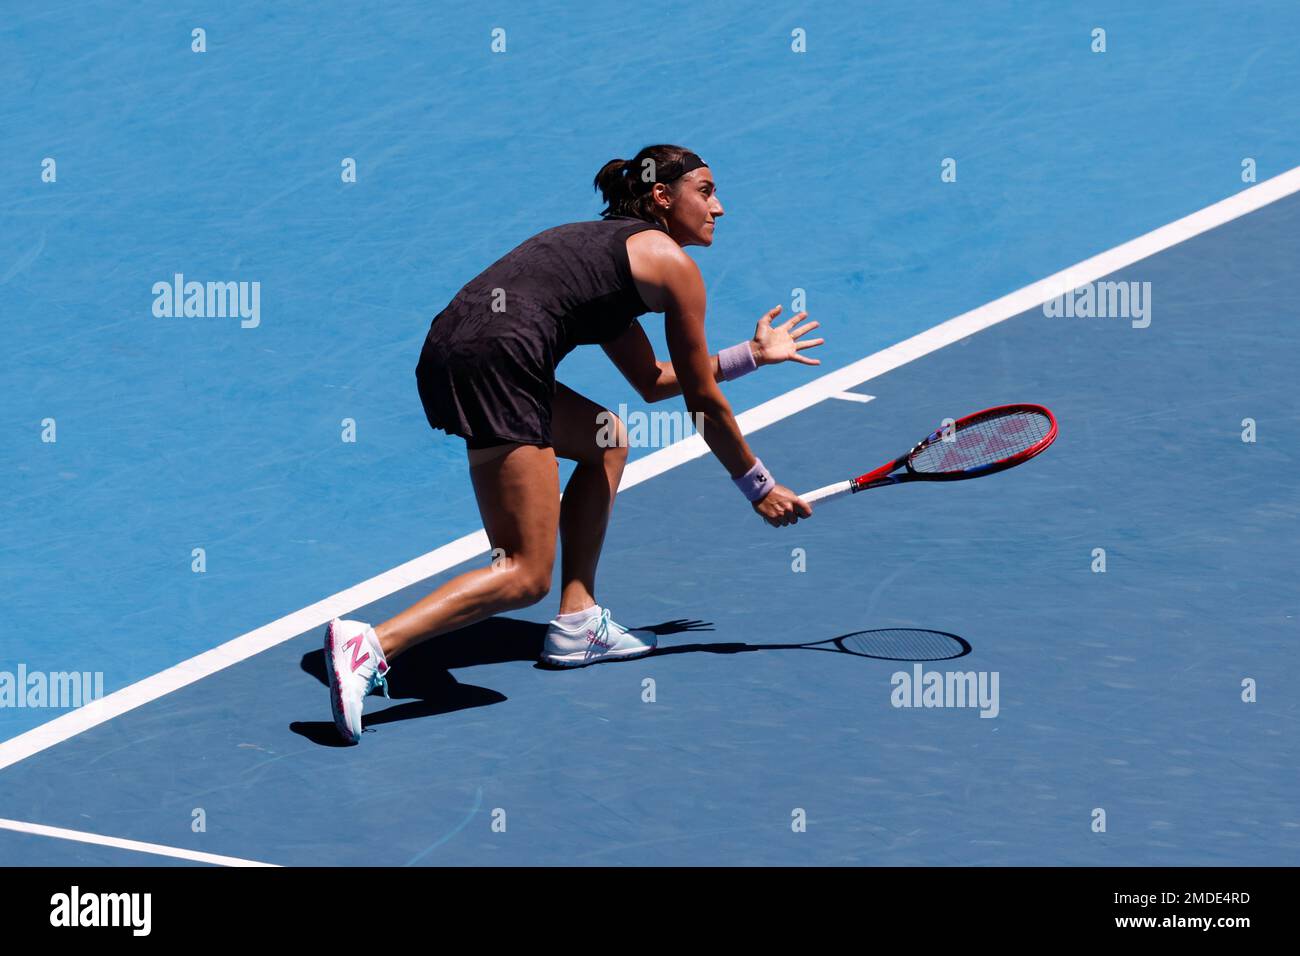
[881, 476]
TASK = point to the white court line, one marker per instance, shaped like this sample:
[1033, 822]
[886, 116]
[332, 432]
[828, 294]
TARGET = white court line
[155, 848]
[852, 397]
[643, 469]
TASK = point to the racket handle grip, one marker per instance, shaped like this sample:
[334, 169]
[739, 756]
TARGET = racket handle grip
[829, 492]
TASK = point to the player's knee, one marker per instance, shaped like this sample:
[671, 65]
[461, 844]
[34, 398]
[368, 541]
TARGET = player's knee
[617, 455]
[612, 441]
[529, 585]
[611, 438]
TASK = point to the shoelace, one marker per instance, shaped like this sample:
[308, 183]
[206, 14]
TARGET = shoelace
[602, 629]
[377, 680]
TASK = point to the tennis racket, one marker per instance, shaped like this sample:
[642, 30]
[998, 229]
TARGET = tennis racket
[989, 441]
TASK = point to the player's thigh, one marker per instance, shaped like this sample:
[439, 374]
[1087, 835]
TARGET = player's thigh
[584, 431]
[518, 492]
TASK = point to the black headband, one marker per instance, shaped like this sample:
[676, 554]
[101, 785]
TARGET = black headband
[690, 161]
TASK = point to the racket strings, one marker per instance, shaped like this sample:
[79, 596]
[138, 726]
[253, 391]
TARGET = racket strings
[983, 441]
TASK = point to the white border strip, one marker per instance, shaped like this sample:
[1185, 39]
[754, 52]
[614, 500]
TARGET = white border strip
[852, 397]
[643, 469]
[155, 848]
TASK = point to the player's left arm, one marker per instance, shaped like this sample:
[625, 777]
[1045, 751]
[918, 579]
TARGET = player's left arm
[654, 381]
[634, 356]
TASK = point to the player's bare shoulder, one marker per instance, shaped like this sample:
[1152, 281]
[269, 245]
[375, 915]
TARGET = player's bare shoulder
[661, 268]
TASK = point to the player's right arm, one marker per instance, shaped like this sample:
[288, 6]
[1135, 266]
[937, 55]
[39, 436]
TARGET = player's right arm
[682, 299]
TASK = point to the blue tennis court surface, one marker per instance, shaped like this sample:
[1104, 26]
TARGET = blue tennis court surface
[1119, 691]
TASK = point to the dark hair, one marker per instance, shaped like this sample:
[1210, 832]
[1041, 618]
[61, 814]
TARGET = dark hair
[627, 184]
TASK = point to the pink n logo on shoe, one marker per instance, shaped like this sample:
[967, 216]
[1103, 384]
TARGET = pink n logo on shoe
[355, 644]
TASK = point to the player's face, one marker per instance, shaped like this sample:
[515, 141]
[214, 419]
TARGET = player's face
[695, 209]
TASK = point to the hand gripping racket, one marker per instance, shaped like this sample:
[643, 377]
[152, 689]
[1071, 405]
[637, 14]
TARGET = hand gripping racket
[989, 441]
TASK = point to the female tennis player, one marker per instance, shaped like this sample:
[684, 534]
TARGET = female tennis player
[487, 374]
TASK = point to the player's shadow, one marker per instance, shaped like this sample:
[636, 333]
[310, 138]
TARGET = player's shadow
[425, 670]
[425, 684]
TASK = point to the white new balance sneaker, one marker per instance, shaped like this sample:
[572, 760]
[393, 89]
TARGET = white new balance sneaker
[356, 666]
[595, 640]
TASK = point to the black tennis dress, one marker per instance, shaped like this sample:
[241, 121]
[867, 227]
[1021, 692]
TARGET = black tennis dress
[487, 371]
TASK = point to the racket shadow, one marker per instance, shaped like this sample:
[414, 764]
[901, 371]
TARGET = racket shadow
[913, 644]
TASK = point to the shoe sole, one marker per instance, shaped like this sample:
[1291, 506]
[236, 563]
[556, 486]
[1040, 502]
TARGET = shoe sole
[584, 661]
[336, 692]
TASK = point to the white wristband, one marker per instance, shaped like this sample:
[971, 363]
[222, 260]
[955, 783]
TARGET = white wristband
[755, 483]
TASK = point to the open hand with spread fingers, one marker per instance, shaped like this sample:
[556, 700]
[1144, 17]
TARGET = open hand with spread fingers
[780, 343]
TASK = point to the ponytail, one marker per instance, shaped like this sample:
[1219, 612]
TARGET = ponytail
[615, 187]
